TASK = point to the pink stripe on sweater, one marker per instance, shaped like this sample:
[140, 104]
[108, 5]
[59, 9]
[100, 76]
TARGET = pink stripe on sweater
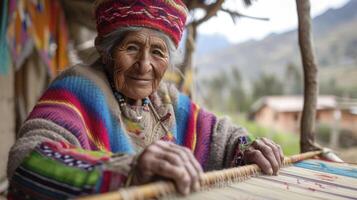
[205, 125]
[95, 125]
[65, 117]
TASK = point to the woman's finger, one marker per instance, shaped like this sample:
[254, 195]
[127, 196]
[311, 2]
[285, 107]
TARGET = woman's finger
[197, 167]
[150, 155]
[156, 160]
[280, 150]
[275, 149]
[144, 164]
[177, 173]
[185, 161]
[255, 156]
[194, 161]
[281, 153]
[268, 154]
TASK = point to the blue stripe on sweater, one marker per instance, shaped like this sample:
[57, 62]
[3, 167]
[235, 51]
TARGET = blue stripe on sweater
[96, 104]
[182, 111]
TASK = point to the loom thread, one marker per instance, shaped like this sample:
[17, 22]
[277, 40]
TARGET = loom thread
[208, 180]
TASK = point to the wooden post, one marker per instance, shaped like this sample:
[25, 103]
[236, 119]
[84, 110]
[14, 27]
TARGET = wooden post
[189, 51]
[307, 134]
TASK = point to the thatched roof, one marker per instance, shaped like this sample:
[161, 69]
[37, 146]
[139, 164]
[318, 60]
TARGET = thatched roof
[80, 12]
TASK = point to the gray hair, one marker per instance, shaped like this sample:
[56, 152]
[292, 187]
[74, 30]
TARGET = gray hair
[106, 44]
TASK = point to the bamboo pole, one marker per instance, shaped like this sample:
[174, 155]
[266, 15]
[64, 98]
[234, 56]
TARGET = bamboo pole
[209, 179]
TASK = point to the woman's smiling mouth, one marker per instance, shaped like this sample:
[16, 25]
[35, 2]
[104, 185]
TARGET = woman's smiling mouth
[140, 80]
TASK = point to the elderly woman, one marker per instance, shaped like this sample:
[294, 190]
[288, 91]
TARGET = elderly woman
[114, 123]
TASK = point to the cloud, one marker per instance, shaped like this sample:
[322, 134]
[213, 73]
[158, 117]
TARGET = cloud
[282, 15]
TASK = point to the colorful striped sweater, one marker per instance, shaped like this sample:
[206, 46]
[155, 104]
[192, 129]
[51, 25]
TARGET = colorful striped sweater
[76, 141]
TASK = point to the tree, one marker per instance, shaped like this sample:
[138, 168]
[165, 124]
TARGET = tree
[238, 101]
[267, 85]
[307, 135]
[226, 92]
[218, 91]
[292, 80]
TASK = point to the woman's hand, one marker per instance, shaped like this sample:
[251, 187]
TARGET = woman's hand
[266, 154]
[171, 161]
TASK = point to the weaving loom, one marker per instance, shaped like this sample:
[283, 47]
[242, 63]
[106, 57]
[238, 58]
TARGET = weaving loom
[306, 179]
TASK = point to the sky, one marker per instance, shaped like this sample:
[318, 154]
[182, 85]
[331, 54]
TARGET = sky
[281, 13]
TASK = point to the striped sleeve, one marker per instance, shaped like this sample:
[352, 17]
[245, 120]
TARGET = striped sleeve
[64, 146]
[215, 142]
[58, 170]
[194, 128]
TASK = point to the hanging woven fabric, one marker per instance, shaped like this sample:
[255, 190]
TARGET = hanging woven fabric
[4, 52]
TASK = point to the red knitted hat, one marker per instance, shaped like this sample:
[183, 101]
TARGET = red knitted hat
[167, 16]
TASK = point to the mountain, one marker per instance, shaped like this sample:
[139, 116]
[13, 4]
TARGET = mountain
[335, 39]
[210, 43]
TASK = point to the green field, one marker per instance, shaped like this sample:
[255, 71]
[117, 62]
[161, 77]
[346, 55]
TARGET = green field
[288, 141]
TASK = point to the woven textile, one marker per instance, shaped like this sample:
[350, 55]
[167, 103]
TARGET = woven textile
[168, 16]
[309, 179]
[57, 171]
[40, 25]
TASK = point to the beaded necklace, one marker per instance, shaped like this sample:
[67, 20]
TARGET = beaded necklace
[121, 100]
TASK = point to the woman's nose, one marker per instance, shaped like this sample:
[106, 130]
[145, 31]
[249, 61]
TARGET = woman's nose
[144, 62]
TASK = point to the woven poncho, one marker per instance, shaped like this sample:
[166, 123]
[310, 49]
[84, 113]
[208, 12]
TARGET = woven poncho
[76, 133]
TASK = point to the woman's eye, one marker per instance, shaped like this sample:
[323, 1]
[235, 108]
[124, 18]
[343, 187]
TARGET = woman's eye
[158, 52]
[132, 48]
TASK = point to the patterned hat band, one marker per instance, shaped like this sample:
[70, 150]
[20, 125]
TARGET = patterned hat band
[167, 16]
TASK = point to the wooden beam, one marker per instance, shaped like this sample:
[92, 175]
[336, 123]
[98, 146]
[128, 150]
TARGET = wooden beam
[307, 134]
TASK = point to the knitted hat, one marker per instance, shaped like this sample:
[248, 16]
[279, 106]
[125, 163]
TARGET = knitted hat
[167, 16]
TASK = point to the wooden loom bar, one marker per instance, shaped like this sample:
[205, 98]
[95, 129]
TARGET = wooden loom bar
[209, 179]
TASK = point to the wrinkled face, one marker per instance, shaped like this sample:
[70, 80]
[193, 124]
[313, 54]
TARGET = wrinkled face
[141, 60]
